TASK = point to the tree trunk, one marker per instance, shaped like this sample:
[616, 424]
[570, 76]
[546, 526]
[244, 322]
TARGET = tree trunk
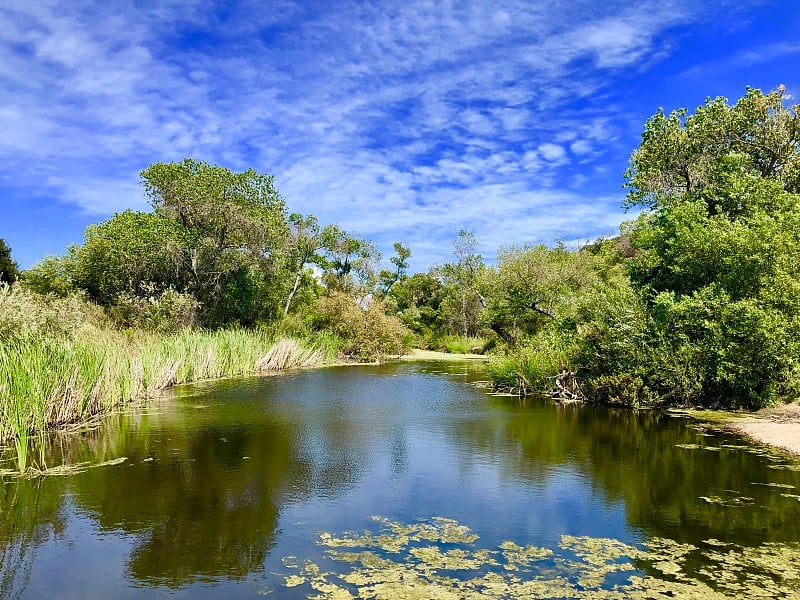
[293, 292]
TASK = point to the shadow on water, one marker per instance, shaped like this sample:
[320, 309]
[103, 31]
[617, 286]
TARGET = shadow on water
[677, 478]
[209, 471]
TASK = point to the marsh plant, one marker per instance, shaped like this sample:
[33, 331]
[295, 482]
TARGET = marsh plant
[50, 381]
[439, 558]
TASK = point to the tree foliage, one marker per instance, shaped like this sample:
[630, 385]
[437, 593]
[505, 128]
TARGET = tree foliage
[689, 154]
[127, 251]
[9, 270]
[388, 278]
[719, 247]
[534, 285]
[307, 244]
[234, 228]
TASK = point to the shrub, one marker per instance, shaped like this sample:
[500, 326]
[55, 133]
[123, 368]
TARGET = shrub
[163, 312]
[25, 314]
[459, 344]
[367, 333]
[534, 367]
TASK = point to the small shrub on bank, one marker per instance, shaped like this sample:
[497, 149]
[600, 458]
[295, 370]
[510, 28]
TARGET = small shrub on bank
[366, 333]
[25, 314]
[163, 312]
[459, 344]
[533, 368]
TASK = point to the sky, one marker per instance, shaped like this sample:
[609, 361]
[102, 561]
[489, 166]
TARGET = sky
[398, 120]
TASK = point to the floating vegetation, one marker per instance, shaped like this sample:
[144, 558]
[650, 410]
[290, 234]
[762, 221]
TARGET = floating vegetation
[731, 501]
[439, 559]
[482, 384]
[698, 447]
[786, 467]
[66, 470]
[787, 486]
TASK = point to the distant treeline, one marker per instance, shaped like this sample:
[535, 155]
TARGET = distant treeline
[697, 301]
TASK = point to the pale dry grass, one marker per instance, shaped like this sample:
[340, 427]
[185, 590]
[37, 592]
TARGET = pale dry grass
[53, 382]
[288, 353]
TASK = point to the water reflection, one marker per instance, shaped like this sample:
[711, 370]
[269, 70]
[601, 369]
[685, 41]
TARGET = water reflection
[211, 474]
[30, 514]
[666, 470]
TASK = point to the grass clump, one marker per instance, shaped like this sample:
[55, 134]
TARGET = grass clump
[50, 381]
[534, 367]
[460, 344]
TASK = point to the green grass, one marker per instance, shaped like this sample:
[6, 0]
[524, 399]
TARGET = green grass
[459, 344]
[532, 368]
[47, 382]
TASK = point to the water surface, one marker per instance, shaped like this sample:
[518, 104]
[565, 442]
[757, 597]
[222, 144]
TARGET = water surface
[226, 488]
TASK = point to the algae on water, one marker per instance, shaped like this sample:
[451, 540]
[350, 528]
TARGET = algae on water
[439, 558]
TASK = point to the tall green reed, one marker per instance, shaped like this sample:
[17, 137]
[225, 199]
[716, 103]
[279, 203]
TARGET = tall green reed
[47, 382]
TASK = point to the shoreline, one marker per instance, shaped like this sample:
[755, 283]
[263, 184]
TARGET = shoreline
[417, 354]
[777, 427]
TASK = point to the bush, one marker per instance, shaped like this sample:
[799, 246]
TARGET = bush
[163, 312]
[459, 344]
[25, 314]
[624, 357]
[367, 334]
[534, 367]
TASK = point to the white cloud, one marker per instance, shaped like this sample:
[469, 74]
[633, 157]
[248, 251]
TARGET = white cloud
[402, 121]
[552, 152]
[580, 147]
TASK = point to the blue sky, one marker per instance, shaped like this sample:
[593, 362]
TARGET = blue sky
[401, 121]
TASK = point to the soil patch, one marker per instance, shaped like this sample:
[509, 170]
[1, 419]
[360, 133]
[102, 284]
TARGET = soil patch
[777, 426]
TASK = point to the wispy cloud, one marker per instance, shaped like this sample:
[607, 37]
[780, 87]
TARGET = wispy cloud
[403, 121]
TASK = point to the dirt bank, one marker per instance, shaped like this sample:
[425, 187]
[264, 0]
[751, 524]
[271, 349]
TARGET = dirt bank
[778, 426]
[417, 354]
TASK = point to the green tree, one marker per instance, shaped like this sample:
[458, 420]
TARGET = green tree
[9, 270]
[306, 242]
[533, 286]
[417, 300]
[687, 154]
[388, 278]
[350, 263]
[718, 248]
[53, 275]
[463, 302]
[127, 251]
[235, 228]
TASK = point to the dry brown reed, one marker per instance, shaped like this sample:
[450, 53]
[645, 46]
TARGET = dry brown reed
[288, 353]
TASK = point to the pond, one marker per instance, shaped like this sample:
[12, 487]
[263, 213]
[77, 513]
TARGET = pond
[399, 480]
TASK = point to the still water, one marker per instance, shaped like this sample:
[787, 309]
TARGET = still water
[397, 480]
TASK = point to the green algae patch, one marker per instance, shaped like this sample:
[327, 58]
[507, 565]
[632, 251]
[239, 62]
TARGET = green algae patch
[440, 559]
[718, 417]
[729, 501]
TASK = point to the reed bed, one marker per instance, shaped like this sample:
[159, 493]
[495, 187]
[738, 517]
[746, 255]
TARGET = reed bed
[48, 382]
[533, 368]
[289, 354]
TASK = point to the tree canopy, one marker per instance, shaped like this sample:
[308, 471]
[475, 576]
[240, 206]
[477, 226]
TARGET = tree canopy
[719, 246]
[9, 270]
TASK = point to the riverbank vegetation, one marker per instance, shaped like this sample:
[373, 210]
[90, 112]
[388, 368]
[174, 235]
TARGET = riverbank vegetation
[696, 301]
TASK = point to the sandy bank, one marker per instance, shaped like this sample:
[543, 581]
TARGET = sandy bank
[777, 426]
[781, 435]
[417, 354]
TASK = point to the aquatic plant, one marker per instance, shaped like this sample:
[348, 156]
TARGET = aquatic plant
[439, 559]
[289, 354]
[51, 381]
